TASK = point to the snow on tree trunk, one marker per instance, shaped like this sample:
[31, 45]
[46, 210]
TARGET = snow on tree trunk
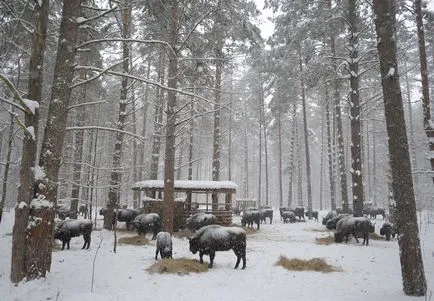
[339, 129]
[292, 153]
[306, 138]
[427, 122]
[330, 153]
[412, 269]
[355, 113]
[169, 162]
[116, 173]
[218, 51]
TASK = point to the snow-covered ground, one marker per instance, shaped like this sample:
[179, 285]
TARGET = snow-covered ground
[368, 273]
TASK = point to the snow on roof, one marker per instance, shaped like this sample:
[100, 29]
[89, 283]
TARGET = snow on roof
[187, 185]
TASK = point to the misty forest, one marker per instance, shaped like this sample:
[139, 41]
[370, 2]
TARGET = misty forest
[323, 105]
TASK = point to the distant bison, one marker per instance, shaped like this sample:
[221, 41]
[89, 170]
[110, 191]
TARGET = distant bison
[164, 245]
[250, 217]
[328, 216]
[355, 226]
[198, 220]
[147, 222]
[209, 239]
[388, 229]
[314, 214]
[332, 223]
[69, 228]
[299, 212]
[127, 216]
[288, 216]
[281, 210]
[266, 211]
[372, 212]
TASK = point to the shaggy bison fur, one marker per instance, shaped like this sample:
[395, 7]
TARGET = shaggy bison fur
[164, 245]
[210, 239]
[69, 228]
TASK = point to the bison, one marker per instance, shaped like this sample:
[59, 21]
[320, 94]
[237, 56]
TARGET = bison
[145, 222]
[354, 226]
[314, 214]
[266, 211]
[328, 217]
[332, 223]
[69, 228]
[127, 216]
[210, 239]
[388, 229]
[164, 245]
[372, 212]
[250, 217]
[198, 220]
[288, 215]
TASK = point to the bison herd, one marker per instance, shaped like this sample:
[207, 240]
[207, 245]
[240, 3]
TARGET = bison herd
[208, 237]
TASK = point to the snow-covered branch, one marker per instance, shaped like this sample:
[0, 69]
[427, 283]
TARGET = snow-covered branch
[94, 127]
[164, 43]
[96, 76]
[86, 104]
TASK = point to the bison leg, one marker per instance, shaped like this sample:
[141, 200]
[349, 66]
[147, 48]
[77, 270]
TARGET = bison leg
[63, 244]
[200, 256]
[128, 225]
[257, 224]
[211, 258]
[156, 254]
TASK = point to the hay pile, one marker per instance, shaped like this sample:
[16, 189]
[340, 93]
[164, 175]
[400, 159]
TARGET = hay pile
[138, 240]
[325, 240]
[314, 264]
[181, 266]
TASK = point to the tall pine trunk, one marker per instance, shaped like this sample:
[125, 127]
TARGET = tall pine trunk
[116, 173]
[169, 162]
[355, 113]
[21, 263]
[427, 122]
[413, 275]
[306, 137]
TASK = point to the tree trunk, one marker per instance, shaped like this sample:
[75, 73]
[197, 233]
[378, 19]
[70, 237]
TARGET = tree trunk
[218, 51]
[279, 153]
[306, 138]
[116, 174]
[169, 163]
[355, 114]
[330, 152]
[141, 150]
[22, 264]
[7, 162]
[292, 153]
[412, 269]
[427, 122]
[158, 121]
[339, 129]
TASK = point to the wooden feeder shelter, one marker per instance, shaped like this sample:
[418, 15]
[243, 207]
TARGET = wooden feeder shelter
[220, 206]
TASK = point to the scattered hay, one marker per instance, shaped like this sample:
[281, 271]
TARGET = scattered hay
[318, 230]
[326, 240]
[314, 264]
[375, 236]
[181, 266]
[138, 240]
[250, 231]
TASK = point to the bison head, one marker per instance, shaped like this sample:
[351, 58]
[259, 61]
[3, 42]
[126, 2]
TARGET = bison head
[194, 247]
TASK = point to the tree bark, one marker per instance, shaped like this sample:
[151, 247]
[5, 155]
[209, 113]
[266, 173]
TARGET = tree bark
[339, 129]
[412, 270]
[355, 113]
[116, 173]
[427, 122]
[169, 163]
[22, 264]
[306, 138]
[330, 152]
[216, 156]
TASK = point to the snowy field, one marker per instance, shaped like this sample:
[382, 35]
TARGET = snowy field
[368, 273]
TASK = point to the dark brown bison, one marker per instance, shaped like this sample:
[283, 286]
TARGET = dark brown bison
[210, 239]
